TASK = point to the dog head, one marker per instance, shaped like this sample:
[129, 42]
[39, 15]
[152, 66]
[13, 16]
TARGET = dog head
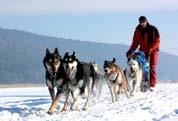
[70, 63]
[52, 61]
[110, 67]
[132, 65]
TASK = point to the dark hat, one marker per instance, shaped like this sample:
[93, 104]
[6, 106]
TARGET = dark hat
[142, 18]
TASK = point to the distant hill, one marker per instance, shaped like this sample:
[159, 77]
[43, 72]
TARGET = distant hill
[21, 55]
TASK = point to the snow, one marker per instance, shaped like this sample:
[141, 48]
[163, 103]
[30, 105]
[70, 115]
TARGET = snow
[32, 103]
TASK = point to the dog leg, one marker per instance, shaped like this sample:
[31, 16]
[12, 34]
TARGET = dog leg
[116, 95]
[71, 97]
[52, 93]
[75, 104]
[54, 104]
[113, 94]
[66, 100]
[100, 88]
[77, 96]
[98, 85]
[126, 92]
[89, 95]
[138, 83]
[129, 87]
[138, 88]
[111, 90]
[133, 88]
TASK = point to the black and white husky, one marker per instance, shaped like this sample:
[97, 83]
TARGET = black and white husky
[81, 76]
[55, 77]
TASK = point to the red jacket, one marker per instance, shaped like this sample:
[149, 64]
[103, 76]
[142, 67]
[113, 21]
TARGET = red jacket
[147, 39]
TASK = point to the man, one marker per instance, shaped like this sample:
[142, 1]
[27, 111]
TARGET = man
[147, 38]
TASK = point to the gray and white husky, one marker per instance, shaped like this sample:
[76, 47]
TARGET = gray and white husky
[99, 77]
[134, 75]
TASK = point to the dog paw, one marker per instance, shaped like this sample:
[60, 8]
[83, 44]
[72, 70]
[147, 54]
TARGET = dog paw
[132, 94]
[113, 101]
[50, 112]
[128, 96]
[73, 108]
[64, 109]
[85, 108]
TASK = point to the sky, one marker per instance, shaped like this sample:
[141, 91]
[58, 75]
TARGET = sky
[108, 21]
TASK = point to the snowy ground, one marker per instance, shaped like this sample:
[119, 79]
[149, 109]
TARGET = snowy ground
[32, 103]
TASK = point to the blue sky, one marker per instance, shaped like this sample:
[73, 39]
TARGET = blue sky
[109, 21]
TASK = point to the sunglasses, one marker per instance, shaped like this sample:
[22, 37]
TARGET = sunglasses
[142, 22]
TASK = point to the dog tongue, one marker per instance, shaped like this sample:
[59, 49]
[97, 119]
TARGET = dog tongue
[68, 72]
[106, 75]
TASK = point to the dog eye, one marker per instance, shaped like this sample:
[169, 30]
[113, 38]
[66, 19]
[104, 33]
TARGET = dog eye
[110, 66]
[70, 59]
[56, 62]
[50, 61]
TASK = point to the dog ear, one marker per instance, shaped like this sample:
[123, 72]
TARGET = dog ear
[56, 51]
[114, 60]
[66, 54]
[73, 55]
[105, 63]
[47, 51]
[94, 62]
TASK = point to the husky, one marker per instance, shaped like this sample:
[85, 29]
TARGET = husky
[115, 79]
[98, 78]
[134, 74]
[55, 77]
[82, 77]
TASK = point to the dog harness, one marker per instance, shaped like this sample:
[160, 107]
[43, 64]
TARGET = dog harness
[114, 81]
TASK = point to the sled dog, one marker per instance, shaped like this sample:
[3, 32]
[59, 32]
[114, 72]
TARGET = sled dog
[55, 78]
[134, 75]
[81, 75]
[115, 79]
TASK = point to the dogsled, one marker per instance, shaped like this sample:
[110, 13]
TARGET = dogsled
[139, 56]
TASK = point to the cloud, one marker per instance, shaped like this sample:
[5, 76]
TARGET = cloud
[47, 7]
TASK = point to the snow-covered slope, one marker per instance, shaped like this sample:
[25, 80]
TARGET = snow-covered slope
[32, 103]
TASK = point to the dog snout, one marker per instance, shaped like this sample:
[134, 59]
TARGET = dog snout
[131, 69]
[53, 73]
[53, 69]
[105, 70]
